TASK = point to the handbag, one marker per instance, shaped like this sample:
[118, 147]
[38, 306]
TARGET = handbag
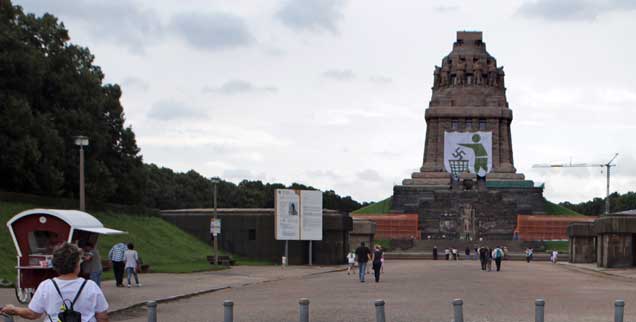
[68, 314]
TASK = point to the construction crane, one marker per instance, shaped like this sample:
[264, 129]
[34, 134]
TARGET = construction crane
[607, 167]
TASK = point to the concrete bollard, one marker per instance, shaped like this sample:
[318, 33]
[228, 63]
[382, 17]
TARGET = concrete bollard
[459, 314]
[304, 310]
[539, 310]
[619, 309]
[152, 311]
[379, 311]
[228, 311]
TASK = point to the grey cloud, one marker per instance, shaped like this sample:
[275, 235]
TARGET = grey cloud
[339, 74]
[169, 110]
[381, 79]
[132, 83]
[241, 174]
[324, 174]
[369, 175]
[312, 15]
[118, 21]
[211, 31]
[446, 9]
[238, 86]
[572, 10]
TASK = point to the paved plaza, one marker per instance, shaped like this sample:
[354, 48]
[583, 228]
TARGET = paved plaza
[419, 291]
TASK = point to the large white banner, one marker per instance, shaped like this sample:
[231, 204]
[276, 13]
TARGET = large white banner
[298, 214]
[310, 215]
[468, 151]
[287, 215]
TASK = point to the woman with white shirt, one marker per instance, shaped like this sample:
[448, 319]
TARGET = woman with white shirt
[53, 296]
[132, 261]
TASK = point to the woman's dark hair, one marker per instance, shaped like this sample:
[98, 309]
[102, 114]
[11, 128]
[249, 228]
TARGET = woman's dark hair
[131, 246]
[65, 258]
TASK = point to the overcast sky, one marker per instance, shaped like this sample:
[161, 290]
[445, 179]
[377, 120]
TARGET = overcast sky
[332, 93]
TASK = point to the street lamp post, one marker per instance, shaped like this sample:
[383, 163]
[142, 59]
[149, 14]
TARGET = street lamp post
[81, 141]
[215, 182]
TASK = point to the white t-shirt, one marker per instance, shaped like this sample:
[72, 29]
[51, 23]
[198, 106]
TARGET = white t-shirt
[46, 299]
[131, 258]
[352, 258]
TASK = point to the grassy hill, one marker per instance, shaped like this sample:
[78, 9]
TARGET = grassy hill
[162, 245]
[384, 207]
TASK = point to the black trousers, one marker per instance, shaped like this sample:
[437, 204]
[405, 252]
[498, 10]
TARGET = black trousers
[377, 267]
[118, 269]
[483, 263]
[498, 263]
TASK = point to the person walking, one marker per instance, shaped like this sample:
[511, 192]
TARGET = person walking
[116, 256]
[435, 253]
[488, 259]
[376, 259]
[467, 252]
[351, 260]
[483, 257]
[132, 264]
[476, 253]
[554, 256]
[447, 254]
[455, 254]
[92, 265]
[529, 254]
[498, 255]
[53, 296]
[363, 254]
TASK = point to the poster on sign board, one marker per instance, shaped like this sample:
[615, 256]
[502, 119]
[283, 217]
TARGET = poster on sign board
[310, 215]
[287, 204]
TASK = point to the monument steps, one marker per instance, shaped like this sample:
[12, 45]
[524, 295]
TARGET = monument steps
[515, 246]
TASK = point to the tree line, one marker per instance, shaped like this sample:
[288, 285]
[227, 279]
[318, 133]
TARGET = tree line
[50, 92]
[596, 206]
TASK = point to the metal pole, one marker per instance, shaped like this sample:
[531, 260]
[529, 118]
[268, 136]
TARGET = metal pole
[152, 311]
[310, 253]
[216, 241]
[286, 253]
[619, 308]
[539, 310]
[81, 183]
[379, 311]
[228, 311]
[459, 314]
[304, 310]
[607, 201]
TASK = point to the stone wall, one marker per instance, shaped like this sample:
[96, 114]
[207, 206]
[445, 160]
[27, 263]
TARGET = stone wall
[363, 231]
[250, 233]
[451, 214]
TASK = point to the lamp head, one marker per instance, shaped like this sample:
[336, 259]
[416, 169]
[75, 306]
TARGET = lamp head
[81, 140]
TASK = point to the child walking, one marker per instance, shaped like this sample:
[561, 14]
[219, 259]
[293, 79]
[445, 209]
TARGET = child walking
[132, 262]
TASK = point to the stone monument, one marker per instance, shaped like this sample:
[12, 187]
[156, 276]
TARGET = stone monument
[467, 186]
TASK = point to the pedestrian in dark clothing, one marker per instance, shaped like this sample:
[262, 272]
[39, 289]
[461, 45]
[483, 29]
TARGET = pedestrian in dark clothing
[434, 252]
[116, 256]
[467, 252]
[377, 262]
[498, 255]
[483, 257]
[363, 254]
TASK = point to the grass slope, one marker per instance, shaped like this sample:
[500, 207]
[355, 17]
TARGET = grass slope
[162, 245]
[554, 209]
[380, 207]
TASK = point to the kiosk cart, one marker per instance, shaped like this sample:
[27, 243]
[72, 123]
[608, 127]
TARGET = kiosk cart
[35, 234]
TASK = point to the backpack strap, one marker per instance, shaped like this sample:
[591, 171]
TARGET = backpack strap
[60, 293]
[78, 293]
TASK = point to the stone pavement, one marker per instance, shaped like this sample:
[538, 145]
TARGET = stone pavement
[591, 268]
[418, 291]
[169, 286]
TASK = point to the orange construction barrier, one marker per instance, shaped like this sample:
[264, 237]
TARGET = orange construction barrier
[398, 226]
[546, 227]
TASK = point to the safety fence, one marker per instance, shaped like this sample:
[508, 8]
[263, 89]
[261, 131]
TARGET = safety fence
[380, 315]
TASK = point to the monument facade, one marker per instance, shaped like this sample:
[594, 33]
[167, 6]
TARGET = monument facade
[467, 186]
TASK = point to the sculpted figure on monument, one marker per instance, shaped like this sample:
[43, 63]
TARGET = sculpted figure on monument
[492, 74]
[477, 73]
[460, 73]
[436, 77]
[501, 74]
[445, 75]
